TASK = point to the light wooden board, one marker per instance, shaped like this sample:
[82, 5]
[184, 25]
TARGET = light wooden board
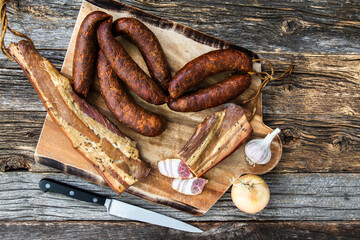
[181, 44]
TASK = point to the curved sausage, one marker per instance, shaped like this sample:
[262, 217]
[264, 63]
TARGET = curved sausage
[206, 65]
[125, 67]
[212, 96]
[149, 47]
[122, 105]
[86, 50]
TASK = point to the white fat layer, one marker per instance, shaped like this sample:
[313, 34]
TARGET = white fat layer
[126, 145]
[238, 128]
[92, 151]
[184, 185]
[219, 121]
[170, 167]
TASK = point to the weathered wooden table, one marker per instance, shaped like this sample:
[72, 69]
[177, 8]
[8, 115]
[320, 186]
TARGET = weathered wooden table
[314, 189]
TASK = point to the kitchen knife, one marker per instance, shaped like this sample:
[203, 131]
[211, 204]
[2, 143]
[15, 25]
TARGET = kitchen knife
[115, 207]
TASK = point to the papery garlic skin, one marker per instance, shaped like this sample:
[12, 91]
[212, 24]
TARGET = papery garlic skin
[258, 150]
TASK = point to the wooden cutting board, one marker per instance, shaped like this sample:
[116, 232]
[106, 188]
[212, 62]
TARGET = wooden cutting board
[181, 44]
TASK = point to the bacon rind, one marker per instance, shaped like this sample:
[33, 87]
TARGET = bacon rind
[113, 154]
[219, 135]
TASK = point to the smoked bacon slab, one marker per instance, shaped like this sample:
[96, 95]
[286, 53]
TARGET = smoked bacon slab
[113, 154]
[219, 135]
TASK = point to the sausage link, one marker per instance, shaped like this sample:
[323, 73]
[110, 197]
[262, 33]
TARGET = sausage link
[149, 47]
[86, 50]
[125, 67]
[206, 65]
[122, 105]
[212, 96]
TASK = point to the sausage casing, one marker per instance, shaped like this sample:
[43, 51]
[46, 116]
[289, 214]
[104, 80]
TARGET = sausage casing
[206, 65]
[212, 96]
[149, 47]
[86, 49]
[125, 67]
[123, 106]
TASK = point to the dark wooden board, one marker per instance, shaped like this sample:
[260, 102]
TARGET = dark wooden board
[222, 230]
[263, 26]
[294, 197]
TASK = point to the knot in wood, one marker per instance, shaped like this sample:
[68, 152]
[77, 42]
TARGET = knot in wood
[30, 134]
[290, 25]
[288, 136]
[343, 143]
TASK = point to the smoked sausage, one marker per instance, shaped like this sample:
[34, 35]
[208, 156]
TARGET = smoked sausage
[206, 65]
[212, 96]
[86, 50]
[122, 105]
[149, 47]
[125, 67]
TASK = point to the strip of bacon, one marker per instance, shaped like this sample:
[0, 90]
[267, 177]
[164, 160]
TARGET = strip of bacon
[219, 135]
[191, 186]
[174, 168]
[113, 154]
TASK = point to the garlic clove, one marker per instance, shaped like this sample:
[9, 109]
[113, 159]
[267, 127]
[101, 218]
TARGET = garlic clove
[258, 150]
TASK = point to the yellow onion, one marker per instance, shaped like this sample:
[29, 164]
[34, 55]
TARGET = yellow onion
[250, 193]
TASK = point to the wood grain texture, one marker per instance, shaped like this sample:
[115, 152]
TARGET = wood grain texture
[319, 36]
[297, 27]
[294, 197]
[55, 150]
[311, 143]
[221, 230]
[19, 133]
[320, 84]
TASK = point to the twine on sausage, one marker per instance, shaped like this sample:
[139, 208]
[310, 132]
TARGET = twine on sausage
[4, 27]
[266, 78]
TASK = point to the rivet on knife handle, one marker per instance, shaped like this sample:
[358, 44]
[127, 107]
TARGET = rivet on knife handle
[70, 191]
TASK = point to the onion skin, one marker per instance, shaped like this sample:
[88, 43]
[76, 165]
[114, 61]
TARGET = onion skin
[250, 193]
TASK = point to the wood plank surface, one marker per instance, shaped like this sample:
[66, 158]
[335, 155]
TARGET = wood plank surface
[318, 111]
[221, 230]
[294, 196]
[282, 26]
[335, 139]
[320, 84]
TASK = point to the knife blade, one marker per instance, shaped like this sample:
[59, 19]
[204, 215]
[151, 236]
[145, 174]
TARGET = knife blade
[115, 207]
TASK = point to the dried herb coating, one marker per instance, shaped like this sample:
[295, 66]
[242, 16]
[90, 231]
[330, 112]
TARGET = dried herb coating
[212, 96]
[86, 49]
[123, 106]
[207, 65]
[125, 67]
[149, 47]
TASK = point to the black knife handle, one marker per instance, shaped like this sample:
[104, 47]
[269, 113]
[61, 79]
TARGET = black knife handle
[70, 191]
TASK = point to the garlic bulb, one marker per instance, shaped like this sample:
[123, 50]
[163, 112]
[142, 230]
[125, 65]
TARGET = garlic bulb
[258, 150]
